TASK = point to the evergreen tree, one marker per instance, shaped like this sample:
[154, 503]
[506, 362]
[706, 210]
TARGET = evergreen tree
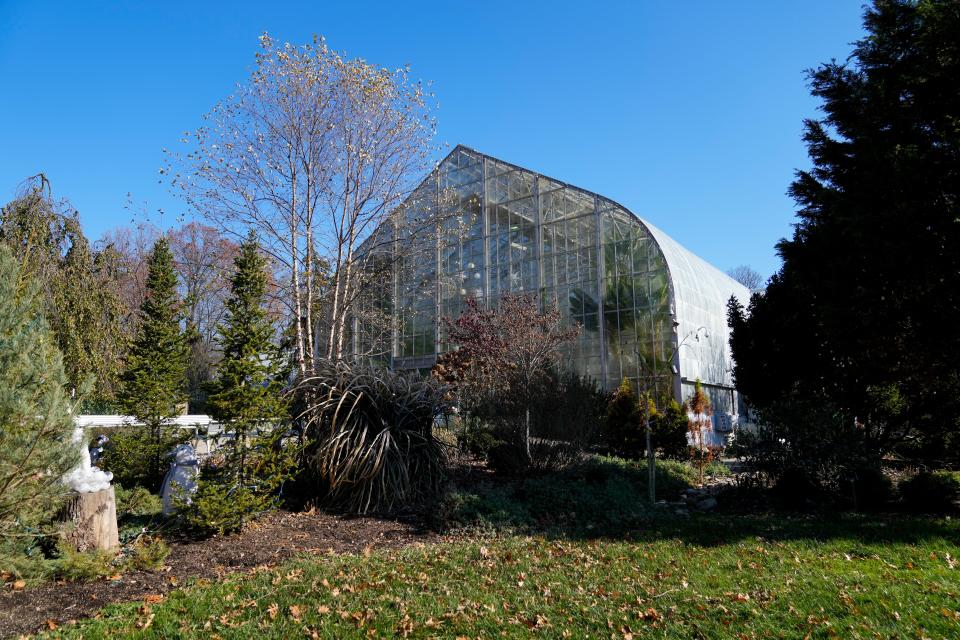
[670, 428]
[87, 324]
[35, 420]
[154, 381]
[860, 317]
[81, 303]
[37, 230]
[247, 398]
[624, 420]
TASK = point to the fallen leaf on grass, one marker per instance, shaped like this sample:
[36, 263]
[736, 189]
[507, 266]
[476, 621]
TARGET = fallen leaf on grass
[272, 610]
[651, 614]
[537, 622]
[404, 627]
[295, 612]
[145, 623]
[153, 598]
[18, 585]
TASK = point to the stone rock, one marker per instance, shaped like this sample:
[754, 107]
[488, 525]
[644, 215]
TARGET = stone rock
[707, 504]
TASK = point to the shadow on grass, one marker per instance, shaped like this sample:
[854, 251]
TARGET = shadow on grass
[606, 498]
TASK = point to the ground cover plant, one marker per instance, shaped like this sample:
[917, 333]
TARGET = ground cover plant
[709, 576]
[600, 496]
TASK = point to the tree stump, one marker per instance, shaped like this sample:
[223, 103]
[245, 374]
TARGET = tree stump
[89, 521]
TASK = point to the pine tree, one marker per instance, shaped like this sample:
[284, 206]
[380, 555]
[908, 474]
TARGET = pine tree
[35, 420]
[154, 381]
[246, 397]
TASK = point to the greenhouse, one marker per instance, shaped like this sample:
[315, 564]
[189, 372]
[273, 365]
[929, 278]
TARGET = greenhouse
[478, 227]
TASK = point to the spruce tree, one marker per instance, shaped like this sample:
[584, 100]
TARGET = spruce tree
[246, 396]
[35, 420]
[154, 380]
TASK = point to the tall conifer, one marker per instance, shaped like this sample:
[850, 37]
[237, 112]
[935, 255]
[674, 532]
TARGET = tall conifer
[246, 397]
[154, 380]
[246, 392]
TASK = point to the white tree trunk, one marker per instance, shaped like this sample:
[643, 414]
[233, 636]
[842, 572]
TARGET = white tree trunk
[89, 521]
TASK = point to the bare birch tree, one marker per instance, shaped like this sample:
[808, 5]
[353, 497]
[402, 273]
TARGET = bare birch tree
[314, 151]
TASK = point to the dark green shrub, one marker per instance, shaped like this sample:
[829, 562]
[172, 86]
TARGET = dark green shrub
[596, 497]
[804, 437]
[131, 454]
[370, 444]
[507, 459]
[670, 432]
[230, 493]
[476, 437]
[796, 489]
[147, 553]
[870, 489]
[137, 502]
[935, 492]
[77, 566]
[567, 407]
[623, 424]
[554, 455]
[566, 415]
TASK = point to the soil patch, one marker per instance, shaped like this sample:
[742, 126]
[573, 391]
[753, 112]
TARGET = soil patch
[270, 540]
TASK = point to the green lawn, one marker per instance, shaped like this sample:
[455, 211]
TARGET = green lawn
[710, 576]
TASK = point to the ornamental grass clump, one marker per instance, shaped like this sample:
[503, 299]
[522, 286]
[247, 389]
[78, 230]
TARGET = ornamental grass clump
[370, 443]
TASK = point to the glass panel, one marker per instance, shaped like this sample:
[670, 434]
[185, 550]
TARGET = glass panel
[637, 320]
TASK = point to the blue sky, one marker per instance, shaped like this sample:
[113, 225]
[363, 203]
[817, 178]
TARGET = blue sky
[688, 113]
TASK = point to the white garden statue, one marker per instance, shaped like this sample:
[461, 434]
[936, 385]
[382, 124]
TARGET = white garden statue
[85, 478]
[181, 480]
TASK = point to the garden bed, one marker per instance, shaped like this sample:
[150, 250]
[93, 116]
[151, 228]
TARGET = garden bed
[273, 539]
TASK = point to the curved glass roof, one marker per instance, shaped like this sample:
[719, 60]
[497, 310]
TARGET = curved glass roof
[639, 296]
[700, 295]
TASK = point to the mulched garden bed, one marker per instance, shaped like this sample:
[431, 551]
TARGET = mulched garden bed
[270, 540]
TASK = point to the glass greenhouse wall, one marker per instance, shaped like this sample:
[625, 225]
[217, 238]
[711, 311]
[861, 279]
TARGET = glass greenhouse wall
[478, 227]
